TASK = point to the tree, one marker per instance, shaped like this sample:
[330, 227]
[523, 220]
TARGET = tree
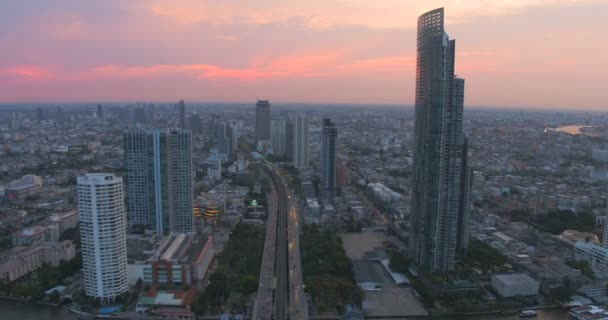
[561, 294]
[54, 296]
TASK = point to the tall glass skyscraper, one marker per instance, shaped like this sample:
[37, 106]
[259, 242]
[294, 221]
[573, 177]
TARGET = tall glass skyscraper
[328, 156]
[441, 177]
[159, 171]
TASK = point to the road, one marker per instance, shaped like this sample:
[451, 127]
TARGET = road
[263, 302]
[281, 268]
[298, 308]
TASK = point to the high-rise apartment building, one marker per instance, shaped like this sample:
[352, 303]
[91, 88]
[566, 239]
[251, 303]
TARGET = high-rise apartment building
[159, 171]
[278, 134]
[328, 155]
[441, 176]
[103, 235]
[300, 142]
[262, 120]
[181, 109]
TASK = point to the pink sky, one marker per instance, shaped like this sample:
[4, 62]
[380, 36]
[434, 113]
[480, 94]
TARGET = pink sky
[537, 53]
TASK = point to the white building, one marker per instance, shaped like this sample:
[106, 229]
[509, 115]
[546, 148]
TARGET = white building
[300, 142]
[103, 235]
[514, 284]
[597, 257]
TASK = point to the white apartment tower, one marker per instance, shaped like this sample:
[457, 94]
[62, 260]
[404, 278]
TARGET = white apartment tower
[103, 235]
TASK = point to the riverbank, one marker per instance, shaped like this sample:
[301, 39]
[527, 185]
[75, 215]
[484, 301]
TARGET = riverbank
[11, 309]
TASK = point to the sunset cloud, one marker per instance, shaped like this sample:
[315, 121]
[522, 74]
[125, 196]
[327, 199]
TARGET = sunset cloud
[298, 50]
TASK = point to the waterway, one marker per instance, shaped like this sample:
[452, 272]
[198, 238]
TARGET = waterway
[14, 310]
[11, 310]
[574, 129]
[556, 314]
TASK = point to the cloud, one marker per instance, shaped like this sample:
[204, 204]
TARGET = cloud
[27, 72]
[325, 14]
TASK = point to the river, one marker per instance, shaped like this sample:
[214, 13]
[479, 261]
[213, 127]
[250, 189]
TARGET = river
[574, 129]
[11, 310]
[14, 310]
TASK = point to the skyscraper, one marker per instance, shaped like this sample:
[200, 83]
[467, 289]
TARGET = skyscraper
[103, 235]
[328, 156]
[159, 171]
[278, 133]
[99, 112]
[233, 134]
[262, 120]
[300, 142]
[438, 220]
[181, 109]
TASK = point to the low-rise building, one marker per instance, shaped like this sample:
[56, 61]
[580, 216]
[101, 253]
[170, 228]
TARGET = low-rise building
[21, 261]
[65, 220]
[600, 155]
[30, 235]
[166, 305]
[179, 259]
[514, 284]
[20, 189]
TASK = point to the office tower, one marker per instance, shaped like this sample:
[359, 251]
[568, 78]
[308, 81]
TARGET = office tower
[159, 171]
[139, 115]
[262, 120]
[99, 112]
[40, 114]
[233, 135]
[300, 142]
[328, 155]
[439, 216]
[196, 123]
[278, 133]
[223, 140]
[59, 114]
[103, 235]
[15, 122]
[181, 109]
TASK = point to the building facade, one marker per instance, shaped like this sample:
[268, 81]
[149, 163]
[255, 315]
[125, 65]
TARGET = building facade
[278, 134]
[300, 142]
[19, 262]
[103, 235]
[597, 256]
[181, 109]
[440, 169]
[262, 120]
[328, 155]
[159, 170]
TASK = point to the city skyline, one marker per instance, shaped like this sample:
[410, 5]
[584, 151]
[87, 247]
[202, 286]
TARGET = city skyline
[76, 54]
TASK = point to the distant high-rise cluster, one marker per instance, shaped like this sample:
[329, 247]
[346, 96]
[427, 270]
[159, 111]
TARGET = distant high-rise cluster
[441, 175]
[103, 235]
[159, 171]
[328, 155]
